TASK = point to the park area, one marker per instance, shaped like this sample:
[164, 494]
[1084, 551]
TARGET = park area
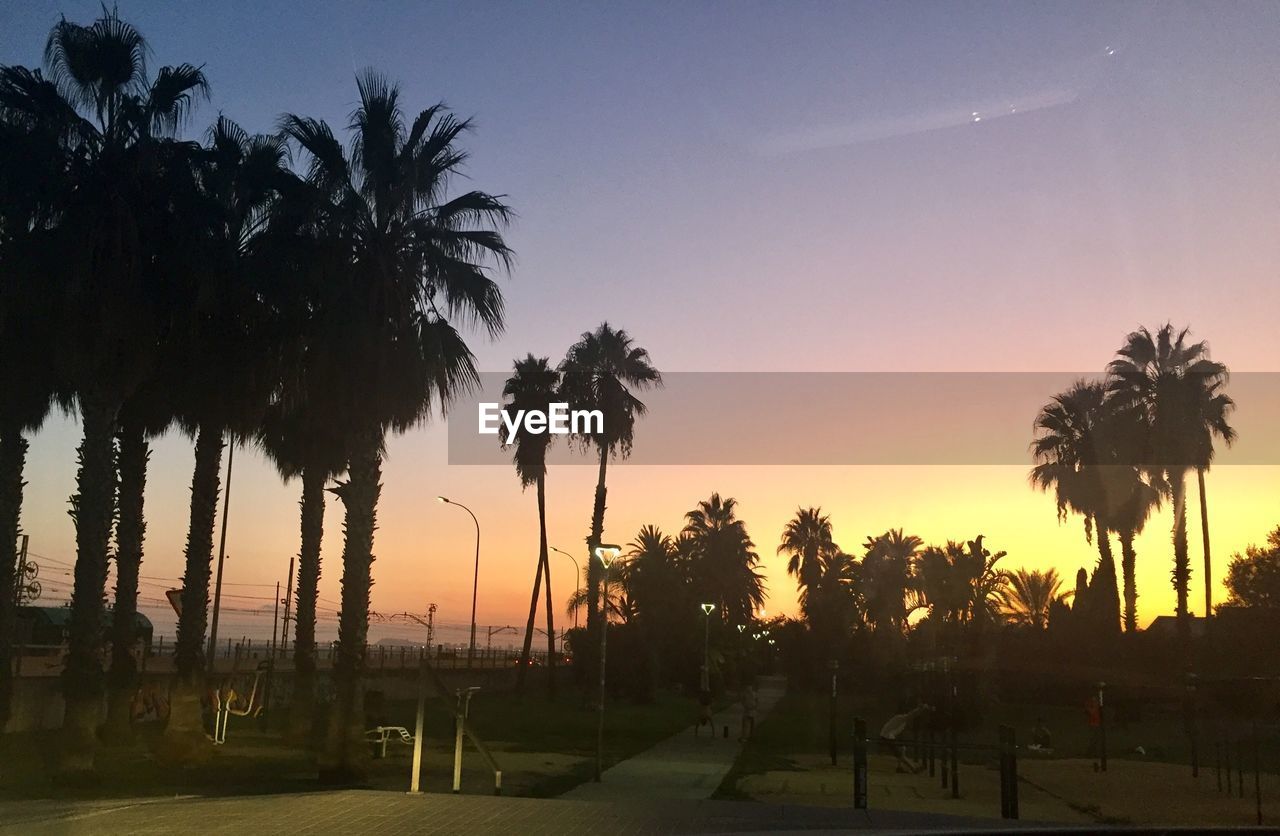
[1147, 782]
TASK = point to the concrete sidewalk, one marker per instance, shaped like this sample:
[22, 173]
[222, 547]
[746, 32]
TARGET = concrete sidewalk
[682, 766]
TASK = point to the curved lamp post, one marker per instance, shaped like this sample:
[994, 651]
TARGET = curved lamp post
[577, 573]
[475, 583]
[606, 553]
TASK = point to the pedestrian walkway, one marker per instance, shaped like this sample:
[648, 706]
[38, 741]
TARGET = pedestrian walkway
[682, 766]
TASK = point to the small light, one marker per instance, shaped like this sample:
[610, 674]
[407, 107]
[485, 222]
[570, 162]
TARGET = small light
[741, 627]
[708, 608]
[607, 552]
[1110, 51]
[441, 499]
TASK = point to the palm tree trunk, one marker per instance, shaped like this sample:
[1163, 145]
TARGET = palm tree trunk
[302, 711]
[544, 555]
[131, 528]
[1181, 559]
[185, 730]
[597, 531]
[92, 507]
[1208, 561]
[345, 754]
[528, 630]
[1104, 594]
[13, 458]
[1128, 563]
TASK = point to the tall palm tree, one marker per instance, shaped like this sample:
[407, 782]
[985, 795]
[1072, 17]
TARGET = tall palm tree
[1030, 595]
[835, 601]
[602, 371]
[228, 350]
[145, 415]
[1071, 450]
[962, 587]
[885, 576]
[534, 385]
[303, 444]
[115, 217]
[806, 537]
[396, 260]
[724, 559]
[1176, 390]
[33, 187]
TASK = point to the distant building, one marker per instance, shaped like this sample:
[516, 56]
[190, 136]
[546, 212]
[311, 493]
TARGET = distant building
[1167, 625]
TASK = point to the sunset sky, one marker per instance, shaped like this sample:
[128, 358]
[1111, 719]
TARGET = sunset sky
[989, 187]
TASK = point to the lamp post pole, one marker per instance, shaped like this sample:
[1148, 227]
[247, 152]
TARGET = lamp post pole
[707, 609]
[606, 552]
[577, 573]
[475, 583]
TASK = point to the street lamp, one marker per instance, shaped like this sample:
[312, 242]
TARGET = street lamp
[607, 553]
[577, 585]
[475, 583]
[707, 609]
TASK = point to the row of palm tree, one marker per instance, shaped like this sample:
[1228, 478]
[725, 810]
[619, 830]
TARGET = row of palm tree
[958, 586]
[148, 282]
[1113, 449]
[602, 371]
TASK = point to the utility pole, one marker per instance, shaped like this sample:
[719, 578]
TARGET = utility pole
[275, 616]
[288, 606]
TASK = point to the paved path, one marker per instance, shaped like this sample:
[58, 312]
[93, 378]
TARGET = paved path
[351, 812]
[682, 766]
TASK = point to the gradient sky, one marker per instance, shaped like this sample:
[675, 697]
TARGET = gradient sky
[770, 187]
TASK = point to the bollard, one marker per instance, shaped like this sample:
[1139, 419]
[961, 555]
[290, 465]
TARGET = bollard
[859, 763]
[1257, 775]
[1240, 766]
[930, 748]
[1217, 763]
[955, 764]
[1008, 748]
[1226, 748]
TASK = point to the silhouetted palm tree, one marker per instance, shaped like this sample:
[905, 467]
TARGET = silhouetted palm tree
[397, 260]
[805, 539]
[1030, 595]
[33, 184]
[299, 439]
[724, 560]
[601, 372]
[885, 578]
[1177, 391]
[961, 587]
[835, 601]
[227, 351]
[534, 386]
[1071, 449]
[114, 226]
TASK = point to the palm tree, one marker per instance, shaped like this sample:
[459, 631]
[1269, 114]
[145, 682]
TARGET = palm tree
[394, 261]
[1176, 390]
[116, 217]
[1030, 596]
[601, 372]
[228, 351]
[145, 415]
[724, 560]
[1071, 450]
[962, 589]
[836, 600]
[805, 539]
[32, 189]
[533, 386]
[303, 444]
[885, 577]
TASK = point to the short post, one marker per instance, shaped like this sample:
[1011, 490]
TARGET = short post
[930, 750]
[1217, 763]
[1240, 766]
[955, 762]
[1102, 727]
[457, 745]
[1226, 748]
[418, 731]
[1257, 775]
[859, 763]
[835, 667]
[1008, 773]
